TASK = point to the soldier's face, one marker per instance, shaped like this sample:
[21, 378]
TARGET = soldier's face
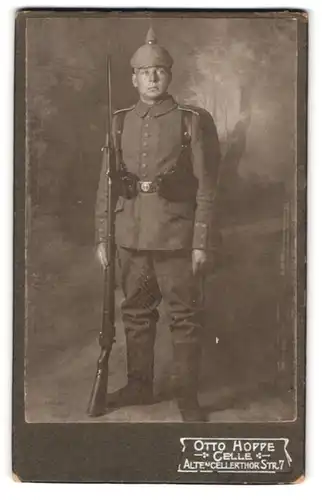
[151, 82]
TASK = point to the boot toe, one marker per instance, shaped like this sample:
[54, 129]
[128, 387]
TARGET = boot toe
[130, 396]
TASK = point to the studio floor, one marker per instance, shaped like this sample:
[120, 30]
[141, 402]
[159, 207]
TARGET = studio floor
[60, 391]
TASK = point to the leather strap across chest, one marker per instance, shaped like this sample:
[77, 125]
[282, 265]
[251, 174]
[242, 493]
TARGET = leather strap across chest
[186, 128]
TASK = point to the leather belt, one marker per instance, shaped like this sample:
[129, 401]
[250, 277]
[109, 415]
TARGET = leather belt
[147, 186]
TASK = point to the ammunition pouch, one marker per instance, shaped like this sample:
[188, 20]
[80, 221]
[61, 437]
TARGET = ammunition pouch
[128, 183]
[178, 184]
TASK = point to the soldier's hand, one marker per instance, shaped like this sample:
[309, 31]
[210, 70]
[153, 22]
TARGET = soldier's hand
[199, 259]
[101, 254]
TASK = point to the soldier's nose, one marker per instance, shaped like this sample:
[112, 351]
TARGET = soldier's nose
[154, 76]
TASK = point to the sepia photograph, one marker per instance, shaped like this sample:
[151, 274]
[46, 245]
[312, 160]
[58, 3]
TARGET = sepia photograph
[160, 218]
[163, 233]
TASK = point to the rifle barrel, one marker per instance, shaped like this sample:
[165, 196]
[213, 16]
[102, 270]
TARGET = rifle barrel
[97, 403]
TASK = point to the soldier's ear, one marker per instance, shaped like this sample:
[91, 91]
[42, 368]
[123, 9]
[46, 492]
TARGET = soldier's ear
[134, 80]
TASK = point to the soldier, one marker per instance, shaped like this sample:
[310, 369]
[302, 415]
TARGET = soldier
[167, 157]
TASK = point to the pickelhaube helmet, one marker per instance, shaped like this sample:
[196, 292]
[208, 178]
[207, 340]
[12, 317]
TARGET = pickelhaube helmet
[151, 54]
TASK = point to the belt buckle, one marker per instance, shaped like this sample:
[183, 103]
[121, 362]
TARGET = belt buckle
[145, 186]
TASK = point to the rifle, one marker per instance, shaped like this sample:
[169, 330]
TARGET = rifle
[97, 403]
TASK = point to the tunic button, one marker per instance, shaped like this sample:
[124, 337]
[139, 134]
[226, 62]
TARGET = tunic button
[146, 134]
[144, 154]
[144, 165]
[145, 143]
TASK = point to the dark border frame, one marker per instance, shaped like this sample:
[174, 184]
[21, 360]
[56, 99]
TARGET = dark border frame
[142, 453]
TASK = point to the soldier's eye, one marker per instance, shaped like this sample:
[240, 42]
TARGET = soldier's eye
[162, 72]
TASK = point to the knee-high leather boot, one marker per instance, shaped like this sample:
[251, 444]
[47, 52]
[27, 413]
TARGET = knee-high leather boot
[186, 373]
[140, 368]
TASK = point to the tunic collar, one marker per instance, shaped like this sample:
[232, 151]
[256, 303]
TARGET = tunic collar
[157, 109]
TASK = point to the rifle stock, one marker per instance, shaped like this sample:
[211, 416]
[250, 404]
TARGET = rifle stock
[97, 403]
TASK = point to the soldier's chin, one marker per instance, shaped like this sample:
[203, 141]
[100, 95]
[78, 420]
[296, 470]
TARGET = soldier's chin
[153, 93]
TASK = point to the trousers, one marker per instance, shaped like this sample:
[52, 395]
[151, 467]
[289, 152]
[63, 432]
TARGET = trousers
[148, 277]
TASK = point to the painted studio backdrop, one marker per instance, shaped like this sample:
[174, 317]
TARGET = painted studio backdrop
[243, 72]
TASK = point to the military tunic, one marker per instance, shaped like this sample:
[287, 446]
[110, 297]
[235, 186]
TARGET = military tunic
[151, 143]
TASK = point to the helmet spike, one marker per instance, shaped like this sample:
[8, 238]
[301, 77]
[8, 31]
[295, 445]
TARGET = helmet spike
[151, 38]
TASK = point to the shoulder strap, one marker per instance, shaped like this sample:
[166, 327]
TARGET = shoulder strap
[186, 118]
[118, 129]
[186, 127]
[119, 117]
